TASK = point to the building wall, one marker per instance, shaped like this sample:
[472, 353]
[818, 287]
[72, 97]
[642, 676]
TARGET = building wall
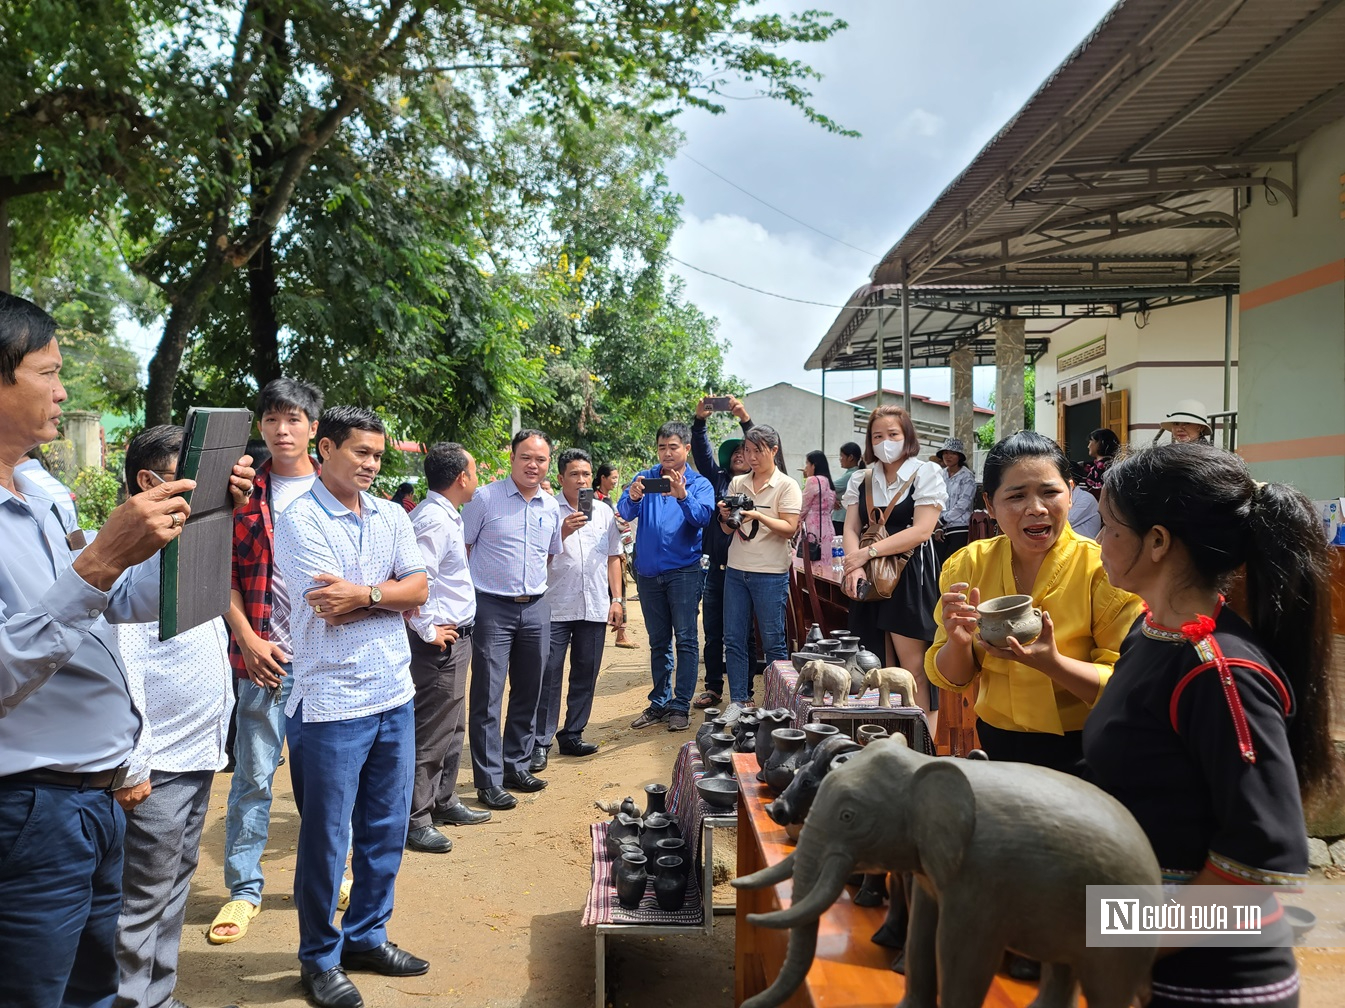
[1292, 382]
[1176, 353]
[797, 414]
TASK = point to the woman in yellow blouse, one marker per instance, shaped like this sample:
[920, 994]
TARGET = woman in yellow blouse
[1032, 699]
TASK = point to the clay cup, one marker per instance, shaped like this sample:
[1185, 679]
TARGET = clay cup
[1009, 616]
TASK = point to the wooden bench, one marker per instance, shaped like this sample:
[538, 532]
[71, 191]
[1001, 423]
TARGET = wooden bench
[848, 969]
[697, 821]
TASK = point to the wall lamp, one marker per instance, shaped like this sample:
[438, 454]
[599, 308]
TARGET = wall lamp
[1103, 381]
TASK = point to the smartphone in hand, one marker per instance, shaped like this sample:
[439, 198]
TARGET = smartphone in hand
[586, 502]
[657, 484]
[719, 404]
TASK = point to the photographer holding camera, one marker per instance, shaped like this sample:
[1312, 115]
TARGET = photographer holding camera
[673, 504]
[761, 512]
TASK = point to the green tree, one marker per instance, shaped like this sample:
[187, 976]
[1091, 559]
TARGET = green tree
[985, 434]
[197, 124]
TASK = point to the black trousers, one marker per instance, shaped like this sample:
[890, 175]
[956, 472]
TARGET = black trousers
[1057, 752]
[441, 724]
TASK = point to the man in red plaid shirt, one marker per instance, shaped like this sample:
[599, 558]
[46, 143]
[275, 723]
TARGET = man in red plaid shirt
[259, 643]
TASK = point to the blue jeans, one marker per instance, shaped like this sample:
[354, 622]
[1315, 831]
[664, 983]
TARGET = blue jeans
[260, 716]
[361, 772]
[746, 593]
[60, 892]
[670, 603]
[712, 619]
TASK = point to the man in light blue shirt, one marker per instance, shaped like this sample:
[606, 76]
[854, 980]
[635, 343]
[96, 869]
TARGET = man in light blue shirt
[441, 650]
[511, 528]
[67, 722]
[352, 566]
[668, 571]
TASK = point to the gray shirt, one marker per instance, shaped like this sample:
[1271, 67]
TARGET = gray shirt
[64, 699]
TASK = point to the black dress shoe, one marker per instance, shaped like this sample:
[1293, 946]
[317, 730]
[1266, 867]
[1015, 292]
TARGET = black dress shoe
[460, 815]
[541, 755]
[331, 989]
[387, 959]
[428, 840]
[521, 780]
[576, 748]
[496, 798]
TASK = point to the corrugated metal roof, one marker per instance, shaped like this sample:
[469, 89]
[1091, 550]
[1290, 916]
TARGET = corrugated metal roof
[1161, 114]
[1123, 176]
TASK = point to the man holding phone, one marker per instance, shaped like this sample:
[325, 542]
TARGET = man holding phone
[585, 582]
[674, 504]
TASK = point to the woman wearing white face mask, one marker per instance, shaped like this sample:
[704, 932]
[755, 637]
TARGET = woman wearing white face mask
[911, 494]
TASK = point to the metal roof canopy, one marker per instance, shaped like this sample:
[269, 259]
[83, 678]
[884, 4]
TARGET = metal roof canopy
[946, 318]
[1128, 165]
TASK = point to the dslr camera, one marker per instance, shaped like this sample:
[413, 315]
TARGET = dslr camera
[737, 504]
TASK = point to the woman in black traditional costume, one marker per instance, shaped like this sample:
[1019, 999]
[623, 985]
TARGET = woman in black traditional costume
[1210, 725]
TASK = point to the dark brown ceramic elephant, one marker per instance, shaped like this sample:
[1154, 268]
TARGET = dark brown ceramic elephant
[1001, 853]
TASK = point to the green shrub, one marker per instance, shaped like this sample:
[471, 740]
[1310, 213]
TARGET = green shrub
[97, 492]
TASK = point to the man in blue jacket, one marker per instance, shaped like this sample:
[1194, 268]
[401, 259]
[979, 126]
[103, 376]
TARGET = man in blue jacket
[668, 571]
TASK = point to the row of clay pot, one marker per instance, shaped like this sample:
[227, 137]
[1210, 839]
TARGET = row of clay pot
[631, 874]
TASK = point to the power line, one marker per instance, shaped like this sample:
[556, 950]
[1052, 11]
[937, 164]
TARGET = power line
[838, 241]
[757, 290]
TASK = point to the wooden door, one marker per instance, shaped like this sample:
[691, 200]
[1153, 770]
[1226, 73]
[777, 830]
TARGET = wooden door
[1060, 416]
[1116, 414]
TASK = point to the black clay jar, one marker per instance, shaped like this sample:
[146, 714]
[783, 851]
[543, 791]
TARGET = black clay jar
[720, 765]
[813, 734]
[621, 827]
[769, 720]
[745, 732]
[719, 742]
[670, 882]
[703, 742]
[656, 798]
[814, 634]
[631, 877]
[783, 761]
[704, 729]
[656, 828]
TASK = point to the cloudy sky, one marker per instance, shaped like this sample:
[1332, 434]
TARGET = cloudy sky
[927, 84]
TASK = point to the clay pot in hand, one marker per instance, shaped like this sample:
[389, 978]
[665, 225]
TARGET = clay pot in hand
[869, 733]
[783, 761]
[1009, 616]
[621, 827]
[670, 882]
[656, 798]
[720, 765]
[630, 878]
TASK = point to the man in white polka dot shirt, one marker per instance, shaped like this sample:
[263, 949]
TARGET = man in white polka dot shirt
[353, 560]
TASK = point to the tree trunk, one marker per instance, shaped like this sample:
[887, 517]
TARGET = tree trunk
[6, 281]
[182, 319]
[262, 322]
[263, 326]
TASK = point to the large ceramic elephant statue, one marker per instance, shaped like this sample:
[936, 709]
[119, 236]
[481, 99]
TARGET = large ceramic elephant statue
[1001, 854]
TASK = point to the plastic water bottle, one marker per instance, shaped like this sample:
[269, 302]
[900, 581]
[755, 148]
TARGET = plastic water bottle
[837, 554]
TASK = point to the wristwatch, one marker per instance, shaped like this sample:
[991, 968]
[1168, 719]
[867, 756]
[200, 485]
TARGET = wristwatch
[375, 595]
[873, 552]
[621, 600]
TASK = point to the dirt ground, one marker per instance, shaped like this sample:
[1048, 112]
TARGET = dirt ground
[498, 917]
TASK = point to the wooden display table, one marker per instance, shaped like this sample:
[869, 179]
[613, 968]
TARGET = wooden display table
[848, 970]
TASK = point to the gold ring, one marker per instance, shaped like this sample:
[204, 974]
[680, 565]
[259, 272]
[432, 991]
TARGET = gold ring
[317, 608]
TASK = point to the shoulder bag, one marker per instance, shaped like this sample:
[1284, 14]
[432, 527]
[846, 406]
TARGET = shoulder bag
[808, 547]
[883, 572]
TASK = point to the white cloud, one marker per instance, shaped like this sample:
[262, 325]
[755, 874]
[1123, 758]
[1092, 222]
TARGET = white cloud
[919, 123]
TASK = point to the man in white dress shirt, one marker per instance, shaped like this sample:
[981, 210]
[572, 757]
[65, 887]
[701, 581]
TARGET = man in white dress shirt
[441, 650]
[183, 689]
[352, 559]
[585, 582]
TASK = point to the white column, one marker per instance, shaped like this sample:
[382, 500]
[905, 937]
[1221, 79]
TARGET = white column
[963, 420]
[1009, 361]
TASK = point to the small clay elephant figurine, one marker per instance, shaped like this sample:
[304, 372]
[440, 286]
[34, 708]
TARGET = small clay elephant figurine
[1001, 855]
[826, 678]
[889, 681]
